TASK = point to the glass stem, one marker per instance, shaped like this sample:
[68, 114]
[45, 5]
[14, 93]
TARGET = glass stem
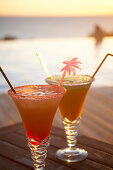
[71, 130]
[39, 154]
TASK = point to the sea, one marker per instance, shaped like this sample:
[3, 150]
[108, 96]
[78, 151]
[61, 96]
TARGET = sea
[56, 40]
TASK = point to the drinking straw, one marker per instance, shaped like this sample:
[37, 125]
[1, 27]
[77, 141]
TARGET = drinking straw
[7, 80]
[101, 64]
[43, 65]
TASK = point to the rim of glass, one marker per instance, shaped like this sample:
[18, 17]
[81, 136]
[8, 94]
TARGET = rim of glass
[48, 80]
[59, 91]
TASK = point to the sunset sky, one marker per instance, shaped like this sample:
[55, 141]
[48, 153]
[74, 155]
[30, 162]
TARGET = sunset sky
[56, 8]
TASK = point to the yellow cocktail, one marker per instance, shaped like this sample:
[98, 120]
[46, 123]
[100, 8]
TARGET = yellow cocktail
[70, 109]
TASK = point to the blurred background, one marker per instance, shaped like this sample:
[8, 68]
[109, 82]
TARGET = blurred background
[58, 30]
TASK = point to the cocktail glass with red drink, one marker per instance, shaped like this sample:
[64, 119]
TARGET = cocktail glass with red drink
[37, 105]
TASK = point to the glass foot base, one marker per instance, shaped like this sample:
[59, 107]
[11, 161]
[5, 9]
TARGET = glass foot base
[70, 155]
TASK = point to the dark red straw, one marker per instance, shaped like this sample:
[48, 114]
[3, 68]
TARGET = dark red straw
[7, 80]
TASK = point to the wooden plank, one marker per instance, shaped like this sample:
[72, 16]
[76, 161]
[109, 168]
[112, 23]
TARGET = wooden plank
[97, 116]
[6, 106]
[50, 165]
[8, 111]
[98, 108]
[6, 164]
[4, 118]
[84, 140]
[51, 154]
[21, 142]
[98, 157]
[11, 128]
[102, 146]
[86, 164]
[105, 91]
[105, 95]
[14, 144]
[99, 128]
[93, 154]
[10, 151]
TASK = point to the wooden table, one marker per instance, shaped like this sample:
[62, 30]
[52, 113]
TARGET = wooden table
[15, 155]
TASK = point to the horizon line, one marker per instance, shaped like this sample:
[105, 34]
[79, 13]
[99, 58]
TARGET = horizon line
[17, 16]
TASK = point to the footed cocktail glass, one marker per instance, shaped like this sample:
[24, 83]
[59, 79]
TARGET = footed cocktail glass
[37, 105]
[71, 108]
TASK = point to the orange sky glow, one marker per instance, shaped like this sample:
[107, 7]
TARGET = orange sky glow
[56, 8]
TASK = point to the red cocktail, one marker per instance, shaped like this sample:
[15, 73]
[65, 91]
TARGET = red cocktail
[37, 105]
